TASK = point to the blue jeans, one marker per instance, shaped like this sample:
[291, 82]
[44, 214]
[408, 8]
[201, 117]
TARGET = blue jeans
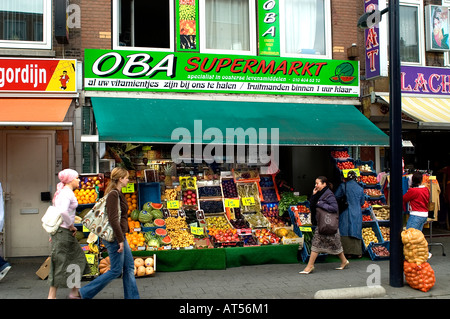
[121, 264]
[416, 222]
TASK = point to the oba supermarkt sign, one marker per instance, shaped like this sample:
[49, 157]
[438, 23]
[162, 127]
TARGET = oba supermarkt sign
[119, 70]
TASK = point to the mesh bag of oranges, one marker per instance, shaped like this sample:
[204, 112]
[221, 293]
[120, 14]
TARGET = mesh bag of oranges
[86, 195]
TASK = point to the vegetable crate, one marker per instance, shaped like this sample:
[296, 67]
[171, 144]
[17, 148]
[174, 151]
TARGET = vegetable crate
[359, 163]
[376, 230]
[300, 219]
[373, 255]
[368, 213]
[148, 192]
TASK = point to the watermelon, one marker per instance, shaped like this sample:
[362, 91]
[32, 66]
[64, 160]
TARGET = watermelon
[166, 240]
[157, 214]
[160, 232]
[135, 215]
[159, 222]
[156, 205]
[145, 216]
[147, 206]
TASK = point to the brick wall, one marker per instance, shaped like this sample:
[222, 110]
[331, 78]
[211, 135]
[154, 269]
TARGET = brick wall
[96, 23]
[344, 16]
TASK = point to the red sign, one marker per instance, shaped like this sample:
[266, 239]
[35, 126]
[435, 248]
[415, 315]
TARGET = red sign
[37, 75]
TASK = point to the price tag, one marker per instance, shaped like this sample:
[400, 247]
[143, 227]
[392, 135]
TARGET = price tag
[90, 258]
[197, 230]
[232, 203]
[128, 189]
[181, 213]
[345, 172]
[85, 229]
[248, 201]
[305, 229]
[173, 204]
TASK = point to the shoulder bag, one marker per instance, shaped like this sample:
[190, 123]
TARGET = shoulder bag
[96, 220]
[51, 220]
[327, 223]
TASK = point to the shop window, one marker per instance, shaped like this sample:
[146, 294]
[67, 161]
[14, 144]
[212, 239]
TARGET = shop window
[143, 24]
[26, 24]
[305, 28]
[228, 25]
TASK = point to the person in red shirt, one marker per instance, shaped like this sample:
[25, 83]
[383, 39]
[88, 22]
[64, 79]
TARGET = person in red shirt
[418, 197]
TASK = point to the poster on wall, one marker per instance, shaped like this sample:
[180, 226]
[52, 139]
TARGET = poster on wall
[124, 70]
[186, 14]
[437, 28]
[38, 75]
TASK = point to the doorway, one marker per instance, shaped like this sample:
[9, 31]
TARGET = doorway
[27, 169]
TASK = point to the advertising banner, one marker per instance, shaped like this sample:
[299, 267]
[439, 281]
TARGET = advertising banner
[186, 14]
[107, 70]
[37, 75]
[269, 27]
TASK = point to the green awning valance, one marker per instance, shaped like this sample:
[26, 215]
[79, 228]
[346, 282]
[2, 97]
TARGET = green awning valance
[170, 120]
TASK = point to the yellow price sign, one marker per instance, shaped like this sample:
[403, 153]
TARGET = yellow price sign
[231, 203]
[128, 189]
[305, 229]
[197, 230]
[173, 204]
[248, 201]
[90, 258]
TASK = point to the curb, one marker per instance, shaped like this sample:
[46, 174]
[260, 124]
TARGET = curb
[351, 293]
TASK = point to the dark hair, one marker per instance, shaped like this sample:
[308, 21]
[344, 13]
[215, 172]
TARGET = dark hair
[325, 181]
[416, 179]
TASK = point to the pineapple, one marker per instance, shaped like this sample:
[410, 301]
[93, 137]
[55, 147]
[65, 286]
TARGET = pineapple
[168, 171]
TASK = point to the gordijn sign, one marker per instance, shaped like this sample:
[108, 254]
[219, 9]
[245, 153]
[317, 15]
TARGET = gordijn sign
[195, 72]
[37, 75]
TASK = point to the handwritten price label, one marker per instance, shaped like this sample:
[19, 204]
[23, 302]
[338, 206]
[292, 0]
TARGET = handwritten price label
[248, 201]
[173, 204]
[128, 189]
[232, 203]
[90, 258]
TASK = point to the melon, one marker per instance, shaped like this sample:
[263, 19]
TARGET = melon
[145, 217]
[139, 262]
[134, 215]
[159, 222]
[148, 262]
[160, 232]
[156, 213]
[149, 270]
[140, 271]
[147, 206]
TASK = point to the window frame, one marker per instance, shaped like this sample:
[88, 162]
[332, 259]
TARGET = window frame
[421, 30]
[47, 33]
[115, 30]
[328, 35]
[252, 32]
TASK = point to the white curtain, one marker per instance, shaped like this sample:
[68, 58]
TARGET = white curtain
[227, 25]
[409, 37]
[301, 32]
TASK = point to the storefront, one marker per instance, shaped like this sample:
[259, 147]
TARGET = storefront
[37, 116]
[200, 135]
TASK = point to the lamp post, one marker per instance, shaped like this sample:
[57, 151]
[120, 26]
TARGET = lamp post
[395, 137]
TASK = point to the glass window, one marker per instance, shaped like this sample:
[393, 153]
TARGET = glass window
[143, 24]
[409, 34]
[25, 23]
[228, 25]
[306, 28]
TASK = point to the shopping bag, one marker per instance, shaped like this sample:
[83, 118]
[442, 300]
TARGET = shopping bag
[51, 220]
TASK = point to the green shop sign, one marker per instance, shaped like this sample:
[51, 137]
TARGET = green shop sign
[119, 70]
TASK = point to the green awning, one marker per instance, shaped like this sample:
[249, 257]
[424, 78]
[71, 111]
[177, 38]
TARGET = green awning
[157, 120]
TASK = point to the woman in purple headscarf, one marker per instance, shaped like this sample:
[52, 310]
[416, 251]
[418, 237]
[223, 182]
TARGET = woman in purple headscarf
[68, 262]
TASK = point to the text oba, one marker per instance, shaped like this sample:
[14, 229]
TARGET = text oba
[136, 65]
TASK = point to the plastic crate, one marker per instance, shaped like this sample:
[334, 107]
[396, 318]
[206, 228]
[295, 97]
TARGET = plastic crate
[149, 192]
[374, 256]
[368, 212]
[294, 223]
[376, 230]
[360, 163]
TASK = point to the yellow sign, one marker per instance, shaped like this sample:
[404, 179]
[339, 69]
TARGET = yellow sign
[90, 258]
[197, 230]
[173, 204]
[345, 171]
[248, 201]
[129, 188]
[231, 203]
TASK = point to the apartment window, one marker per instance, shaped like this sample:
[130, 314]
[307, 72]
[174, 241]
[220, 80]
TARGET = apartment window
[228, 25]
[25, 24]
[143, 24]
[305, 28]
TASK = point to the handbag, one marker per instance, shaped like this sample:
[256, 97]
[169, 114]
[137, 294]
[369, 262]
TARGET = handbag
[327, 223]
[96, 220]
[51, 220]
[342, 201]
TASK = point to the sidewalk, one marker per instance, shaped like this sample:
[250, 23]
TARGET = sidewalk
[269, 281]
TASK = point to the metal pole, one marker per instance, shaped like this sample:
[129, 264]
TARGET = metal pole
[396, 193]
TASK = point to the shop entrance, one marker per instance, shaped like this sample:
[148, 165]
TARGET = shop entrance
[27, 172]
